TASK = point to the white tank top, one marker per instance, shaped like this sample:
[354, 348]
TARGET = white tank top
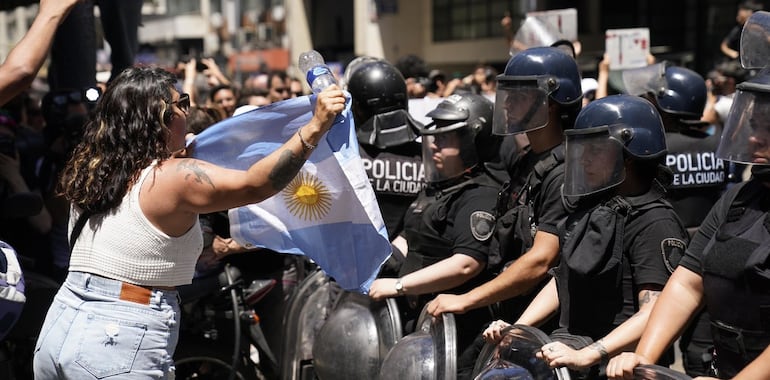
[124, 245]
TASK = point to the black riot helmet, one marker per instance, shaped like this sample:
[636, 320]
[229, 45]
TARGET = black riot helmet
[532, 78]
[462, 122]
[677, 91]
[353, 66]
[607, 131]
[746, 135]
[380, 105]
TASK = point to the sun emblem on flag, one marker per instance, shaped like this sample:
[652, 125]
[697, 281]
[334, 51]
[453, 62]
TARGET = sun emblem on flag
[306, 197]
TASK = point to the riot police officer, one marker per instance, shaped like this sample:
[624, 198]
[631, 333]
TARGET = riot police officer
[725, 267]
[389, 150]
[619, 244]
[699, 177]
[449, 227]
[538, 94]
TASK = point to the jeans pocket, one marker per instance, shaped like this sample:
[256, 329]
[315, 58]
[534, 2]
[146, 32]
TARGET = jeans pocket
[107, 346]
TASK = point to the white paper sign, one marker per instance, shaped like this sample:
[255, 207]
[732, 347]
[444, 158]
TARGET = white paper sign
[563, 21]
[627, 48]
[532, 33]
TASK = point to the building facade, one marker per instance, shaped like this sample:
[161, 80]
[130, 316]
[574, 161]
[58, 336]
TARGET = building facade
[451, 35]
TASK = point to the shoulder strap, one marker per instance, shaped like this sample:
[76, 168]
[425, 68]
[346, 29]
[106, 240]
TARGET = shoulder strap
[744, 193]
[620, 204]
[479, 180]
[652, 199]
[736, 204]
[79, 224]
[544, 166]
[540, 173]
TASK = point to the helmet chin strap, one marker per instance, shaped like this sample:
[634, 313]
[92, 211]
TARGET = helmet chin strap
[465, 175]
[527, 118]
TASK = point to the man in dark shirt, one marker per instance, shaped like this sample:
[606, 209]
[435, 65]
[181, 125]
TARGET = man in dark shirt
[449, 227]
[725, 267]
[530, 246]
[731, 44]
[699, 177]
[620, 242]
[389, 150]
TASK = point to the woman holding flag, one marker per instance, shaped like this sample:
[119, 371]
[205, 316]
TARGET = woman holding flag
[134, 226]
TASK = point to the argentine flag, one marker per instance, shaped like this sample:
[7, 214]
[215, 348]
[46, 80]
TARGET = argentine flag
[328, 212]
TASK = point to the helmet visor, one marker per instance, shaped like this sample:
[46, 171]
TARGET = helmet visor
[746, 137]
[388, 129]
[447, 151]
[755, 51]
[646, 79]
[594, 160]
[521, 104]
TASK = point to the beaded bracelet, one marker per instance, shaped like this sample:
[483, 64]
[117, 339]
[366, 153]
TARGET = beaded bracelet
[306, 146]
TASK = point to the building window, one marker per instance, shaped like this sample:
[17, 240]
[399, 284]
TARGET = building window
[183, 7]
[468, 19]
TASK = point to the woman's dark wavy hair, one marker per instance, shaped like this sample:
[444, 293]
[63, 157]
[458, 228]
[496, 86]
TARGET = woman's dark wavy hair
[125, 134]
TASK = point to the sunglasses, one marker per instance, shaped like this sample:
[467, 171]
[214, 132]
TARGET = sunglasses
[183, 103]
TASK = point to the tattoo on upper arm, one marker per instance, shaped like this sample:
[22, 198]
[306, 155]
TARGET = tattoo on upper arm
[197, 173]
[285, 169]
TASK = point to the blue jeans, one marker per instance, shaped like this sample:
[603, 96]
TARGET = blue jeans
[90, 333]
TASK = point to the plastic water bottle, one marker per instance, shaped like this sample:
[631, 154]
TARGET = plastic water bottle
[319, 76]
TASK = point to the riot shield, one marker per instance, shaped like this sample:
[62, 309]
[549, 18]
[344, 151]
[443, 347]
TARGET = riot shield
[513, 357]
[355, 338]
[427, 354]
[656, 372]
[306, 313]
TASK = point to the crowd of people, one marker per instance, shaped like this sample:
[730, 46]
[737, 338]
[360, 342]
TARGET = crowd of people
[617, 218]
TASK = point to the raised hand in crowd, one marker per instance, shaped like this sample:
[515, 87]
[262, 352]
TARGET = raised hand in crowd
[214, 73]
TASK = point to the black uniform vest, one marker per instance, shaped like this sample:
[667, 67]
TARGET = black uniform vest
[517, 213]
[736, 281]
[699, 177]
[425, 231]
[427, 244]
[591, 266]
